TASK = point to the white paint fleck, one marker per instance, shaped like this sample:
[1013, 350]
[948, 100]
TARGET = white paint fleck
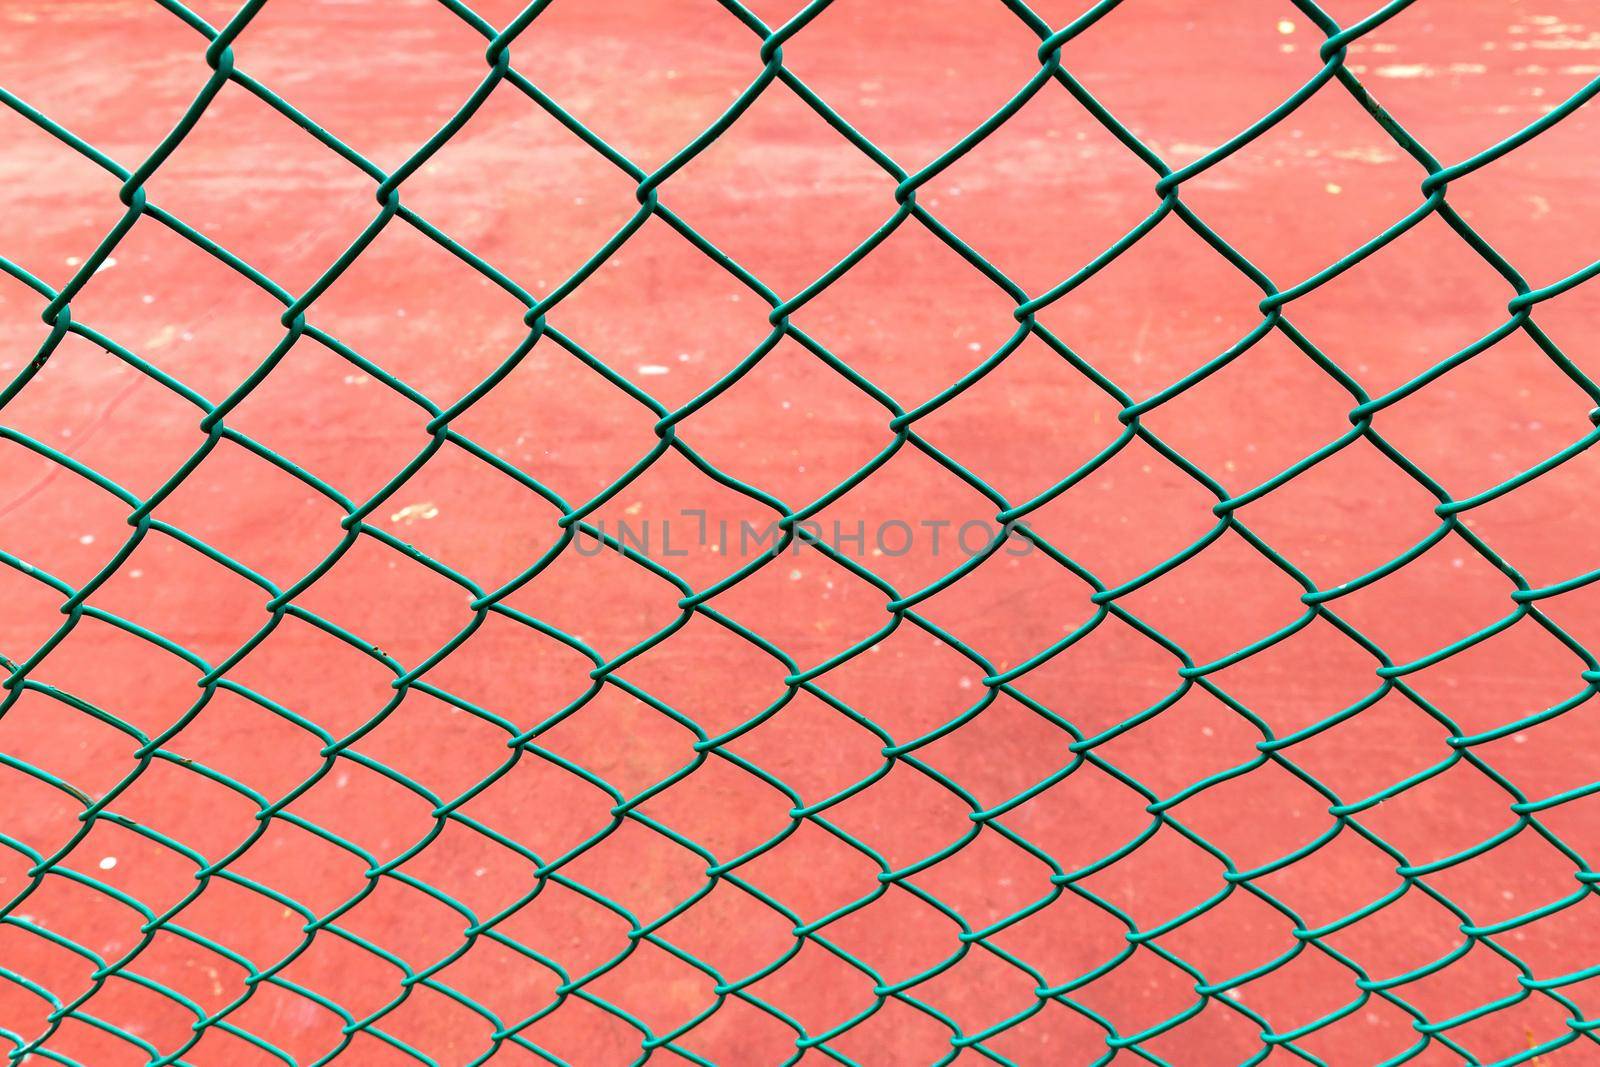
[426, 509]
[1405, 70]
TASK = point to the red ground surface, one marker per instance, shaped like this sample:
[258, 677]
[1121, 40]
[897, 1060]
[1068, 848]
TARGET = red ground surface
[787, 196]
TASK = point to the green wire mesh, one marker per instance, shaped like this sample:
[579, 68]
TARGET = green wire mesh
[29, 673]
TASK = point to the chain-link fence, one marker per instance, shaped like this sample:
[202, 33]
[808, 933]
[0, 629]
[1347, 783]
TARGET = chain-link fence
[797, 533]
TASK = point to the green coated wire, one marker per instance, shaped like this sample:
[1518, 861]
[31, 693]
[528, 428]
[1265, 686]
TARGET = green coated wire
[522, 741]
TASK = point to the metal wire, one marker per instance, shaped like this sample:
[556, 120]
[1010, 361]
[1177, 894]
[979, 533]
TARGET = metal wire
[29, 673]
